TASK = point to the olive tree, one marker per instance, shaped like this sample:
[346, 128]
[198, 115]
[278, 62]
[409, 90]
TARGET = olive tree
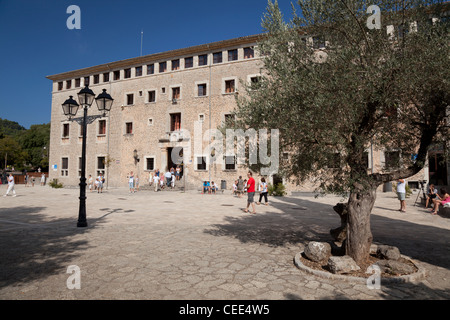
[335, 84]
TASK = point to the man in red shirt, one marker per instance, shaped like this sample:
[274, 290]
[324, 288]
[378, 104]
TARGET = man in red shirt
[250, 192]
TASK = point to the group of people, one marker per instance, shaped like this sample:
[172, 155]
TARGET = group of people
[96, 184]
[241, 187]
[31, 181]
[159, 180]
[210, 187]
[249, 186]
[436, 198]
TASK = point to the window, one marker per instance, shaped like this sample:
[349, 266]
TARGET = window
[77, 82]
[203, 60]
[176, 64]
[391, 159]
[162, 67]
[230, 162]
[130, 99]
[201, 117]
[86, 81]
[127, 73]
[60, 86]
[68, 84]
[117, 75]
[106, 77]
[249, 53]
[150, 121]
[188, 62]
[229, 86]
[101, 126]
[229, 119]
[175, 121]
[151, 69]
[232, 55]
[66, 129]
[201, 163]
[176, 93]
[217, 57]
[202, 90]
[138, 71]
[64, 166]
[150, 164]
[129, 128]
[163, 90]
[366, 160]
[101, 165]
[152, 96]
[96, 78]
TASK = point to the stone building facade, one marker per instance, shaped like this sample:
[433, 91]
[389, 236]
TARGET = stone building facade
[160, 100]
[163, 104]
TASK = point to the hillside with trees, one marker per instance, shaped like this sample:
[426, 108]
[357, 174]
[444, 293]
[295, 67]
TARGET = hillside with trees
[24, 149]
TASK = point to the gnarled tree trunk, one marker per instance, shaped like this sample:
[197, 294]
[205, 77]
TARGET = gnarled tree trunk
[359, 235]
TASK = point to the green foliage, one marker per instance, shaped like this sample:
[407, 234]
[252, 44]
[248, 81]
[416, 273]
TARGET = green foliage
[333, 87]
[10, 128]
[279, 190]
[25, 149]
[54, 184]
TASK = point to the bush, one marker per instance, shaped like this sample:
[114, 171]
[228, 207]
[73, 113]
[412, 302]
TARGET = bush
[54, 184]
[278, 190]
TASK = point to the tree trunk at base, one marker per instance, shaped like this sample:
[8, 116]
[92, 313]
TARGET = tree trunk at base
[359, 235]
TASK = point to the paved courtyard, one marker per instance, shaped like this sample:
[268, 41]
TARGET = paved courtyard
[174, 245]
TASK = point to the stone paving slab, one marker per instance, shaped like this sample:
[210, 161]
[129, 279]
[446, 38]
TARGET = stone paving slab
[174, 245]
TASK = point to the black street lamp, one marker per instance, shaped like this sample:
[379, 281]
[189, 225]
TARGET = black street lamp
[70, 107]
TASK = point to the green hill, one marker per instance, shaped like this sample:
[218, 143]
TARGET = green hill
[10, 128]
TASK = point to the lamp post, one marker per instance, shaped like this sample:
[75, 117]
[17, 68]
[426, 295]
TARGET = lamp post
[70, 107]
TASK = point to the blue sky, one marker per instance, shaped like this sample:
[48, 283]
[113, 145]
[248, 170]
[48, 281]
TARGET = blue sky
[35, 41]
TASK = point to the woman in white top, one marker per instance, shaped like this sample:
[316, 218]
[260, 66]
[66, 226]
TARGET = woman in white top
[264, 191]
[10, 186]
[131, 182]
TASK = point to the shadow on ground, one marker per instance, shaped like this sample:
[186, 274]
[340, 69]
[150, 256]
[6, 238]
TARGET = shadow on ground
[302, 221]
[33, 247]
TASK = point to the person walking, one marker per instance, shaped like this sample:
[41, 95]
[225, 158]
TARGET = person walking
[90, 182]
[131, 182]
[263, 190]
[240, 187]
[136, 183]
[101, 181]
[401, 194]
[10, 186]
[250, 192]
[43, 179]
[173, 178]
[178, 172]
[168, 177]
[156, 182]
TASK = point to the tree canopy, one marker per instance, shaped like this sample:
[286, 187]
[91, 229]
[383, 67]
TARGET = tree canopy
[333, 87]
